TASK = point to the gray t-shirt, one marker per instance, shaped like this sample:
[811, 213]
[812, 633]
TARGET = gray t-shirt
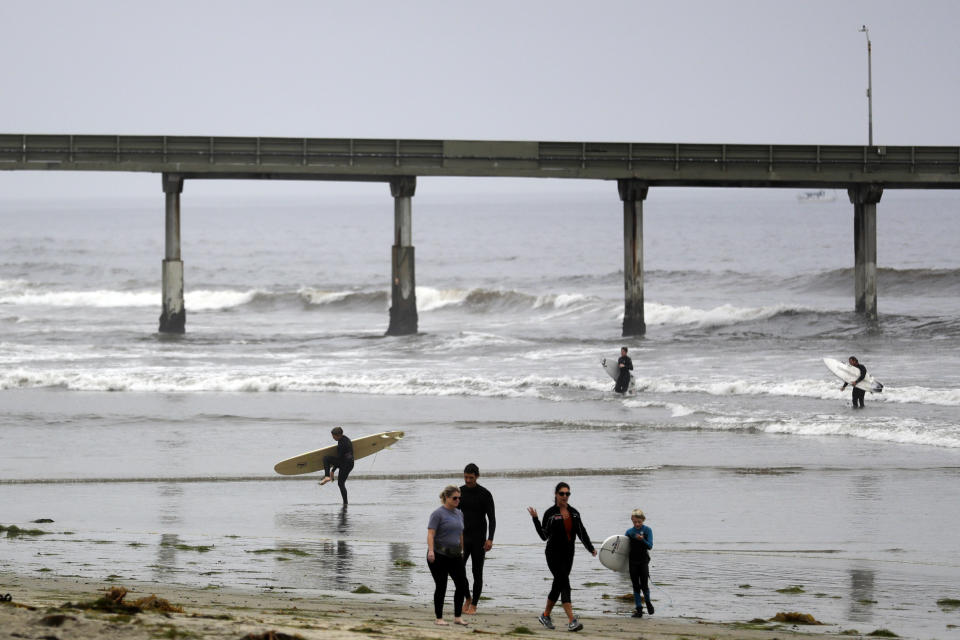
[448, 525]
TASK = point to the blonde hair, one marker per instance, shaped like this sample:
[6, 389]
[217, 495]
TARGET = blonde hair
[448, 491]
[638, 513]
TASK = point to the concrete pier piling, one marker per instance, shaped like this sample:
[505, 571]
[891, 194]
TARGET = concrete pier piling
[403, 296]
[633, 193]
[173, 316]
[864, 199]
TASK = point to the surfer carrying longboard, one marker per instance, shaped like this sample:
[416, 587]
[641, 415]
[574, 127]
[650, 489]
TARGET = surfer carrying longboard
[858, 393]
[342, 461]
[625, 365]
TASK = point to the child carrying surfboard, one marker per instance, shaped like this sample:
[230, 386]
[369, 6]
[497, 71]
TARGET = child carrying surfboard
[641, 542]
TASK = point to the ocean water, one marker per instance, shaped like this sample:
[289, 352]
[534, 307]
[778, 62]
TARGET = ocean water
[153, 454]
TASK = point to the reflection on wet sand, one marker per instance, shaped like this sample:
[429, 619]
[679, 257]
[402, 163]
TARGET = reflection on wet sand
[166, 556]
[343, 524]
[400, 571]
[171, 498]
[861, 594]
[334, 561]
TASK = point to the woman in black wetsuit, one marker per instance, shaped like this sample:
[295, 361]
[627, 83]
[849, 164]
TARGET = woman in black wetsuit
[561, 527]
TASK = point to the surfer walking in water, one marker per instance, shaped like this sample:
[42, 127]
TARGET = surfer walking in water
[625, 366]
[342, 461]
[560, 528]
[858, 393]
[641, 542]
[476, 504]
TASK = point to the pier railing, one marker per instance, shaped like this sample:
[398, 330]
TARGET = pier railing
[668, 164]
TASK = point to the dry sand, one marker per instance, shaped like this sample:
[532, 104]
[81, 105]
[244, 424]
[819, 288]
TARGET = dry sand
[37, 611]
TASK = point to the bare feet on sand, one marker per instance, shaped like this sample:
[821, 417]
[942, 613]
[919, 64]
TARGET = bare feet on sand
[442, 623]
[460, 621]
[326, 479]
[469, 610]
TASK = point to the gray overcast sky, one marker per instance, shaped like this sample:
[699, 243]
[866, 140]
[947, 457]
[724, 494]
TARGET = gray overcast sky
[677, 71]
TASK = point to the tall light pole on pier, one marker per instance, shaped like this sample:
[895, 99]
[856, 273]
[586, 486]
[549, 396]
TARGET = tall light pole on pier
[863, 29]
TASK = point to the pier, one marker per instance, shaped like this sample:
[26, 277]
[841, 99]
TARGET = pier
[863, 171]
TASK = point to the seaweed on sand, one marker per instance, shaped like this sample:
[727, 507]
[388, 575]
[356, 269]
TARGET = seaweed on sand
[112, 602]
[13, 531]
[795, 617]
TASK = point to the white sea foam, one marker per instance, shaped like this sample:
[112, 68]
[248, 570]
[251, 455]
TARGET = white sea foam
[197, 300]
[661, 314]
[430, 299]
[313, 296]
[419, 382]
[12, 285]
[102, 298]
[882, 428]
[897, 430]
[305, 377]
[207, 300]
[676, 410]
[216, 379]
[473, 340]
[802, 388]
[560, 300]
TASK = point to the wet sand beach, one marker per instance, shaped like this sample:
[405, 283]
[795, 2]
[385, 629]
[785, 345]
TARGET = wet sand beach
[38, 610]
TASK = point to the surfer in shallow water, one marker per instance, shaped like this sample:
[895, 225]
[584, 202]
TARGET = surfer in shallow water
[560, 528]
[342, 461]
[858, 393]
[625, 365]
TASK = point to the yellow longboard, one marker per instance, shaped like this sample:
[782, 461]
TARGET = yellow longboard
[313, 460]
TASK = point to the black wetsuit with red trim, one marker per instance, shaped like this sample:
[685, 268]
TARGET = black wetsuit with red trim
[561, 537]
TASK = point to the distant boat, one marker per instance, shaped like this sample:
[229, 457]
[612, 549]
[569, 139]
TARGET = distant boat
[817, 196]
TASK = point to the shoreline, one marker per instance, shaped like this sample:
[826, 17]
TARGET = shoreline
[234, 613]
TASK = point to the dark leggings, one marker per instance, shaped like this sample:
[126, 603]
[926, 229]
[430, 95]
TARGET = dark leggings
[440, 568]
[560, 565]
[475, 550]
[858, 397]
[331, 463]
[640, 576]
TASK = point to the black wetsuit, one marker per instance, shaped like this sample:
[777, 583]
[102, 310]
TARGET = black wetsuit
[623, 379]
[859, 393]
[477, 507]
[560, 548]
[342, 461]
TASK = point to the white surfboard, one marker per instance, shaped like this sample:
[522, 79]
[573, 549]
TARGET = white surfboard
[848, 374]
[613, 370]
[313, 460]
[614, 553]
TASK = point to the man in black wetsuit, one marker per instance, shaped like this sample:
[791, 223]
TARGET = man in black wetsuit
[625, 364]
[476, 504]
[342, 461]
[858, 393]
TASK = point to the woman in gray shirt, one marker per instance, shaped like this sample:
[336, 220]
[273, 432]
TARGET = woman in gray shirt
[445, 554]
